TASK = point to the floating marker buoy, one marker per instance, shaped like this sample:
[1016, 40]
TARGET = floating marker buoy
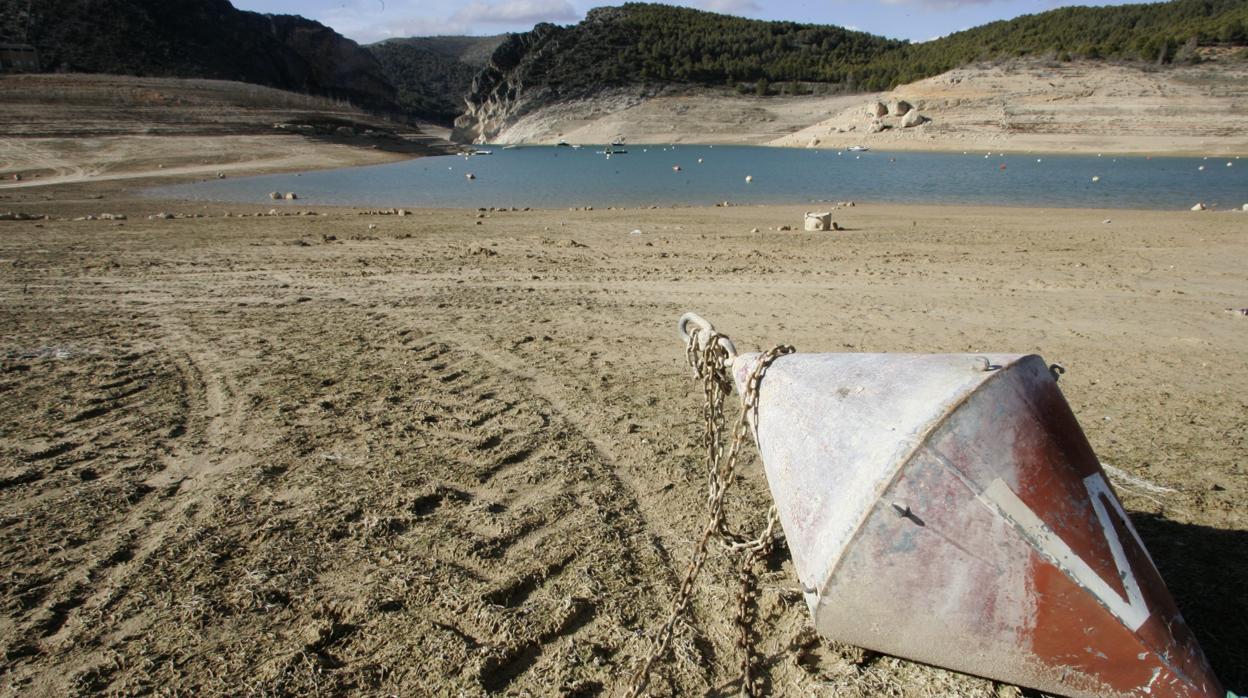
[1038, 160]
[749, 178]
[1003, 165]
[1096, 178]
[699, 161]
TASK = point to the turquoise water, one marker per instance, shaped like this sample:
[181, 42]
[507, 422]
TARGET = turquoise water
[548, 177]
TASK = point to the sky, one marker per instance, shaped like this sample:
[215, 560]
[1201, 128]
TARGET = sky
[367, 21]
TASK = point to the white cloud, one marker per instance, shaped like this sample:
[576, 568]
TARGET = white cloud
[517, 12]
[367, 21]
[940, 4]
[731, 7]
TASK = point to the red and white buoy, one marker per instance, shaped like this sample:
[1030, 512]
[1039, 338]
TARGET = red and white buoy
[948, 508]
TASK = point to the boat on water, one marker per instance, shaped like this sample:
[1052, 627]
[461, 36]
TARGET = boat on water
[609, 151]
[510, 147]
[563, 144]
[483, 152]
[948, 508]
[857, 149]
[617, 141]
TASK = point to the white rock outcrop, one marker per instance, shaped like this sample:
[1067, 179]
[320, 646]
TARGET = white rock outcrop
[913, 118]
[819, 221]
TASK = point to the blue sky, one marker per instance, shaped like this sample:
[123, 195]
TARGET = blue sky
[918, 20]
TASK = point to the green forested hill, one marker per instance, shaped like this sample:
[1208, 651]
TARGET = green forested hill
[1157, 32]
[640, 43]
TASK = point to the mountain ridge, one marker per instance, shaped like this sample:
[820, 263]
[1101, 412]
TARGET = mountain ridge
[206, 39]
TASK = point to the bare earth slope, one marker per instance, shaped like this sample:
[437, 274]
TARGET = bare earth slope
[65, 128]
[1079, 107]
[1020, 106]
[451, 455]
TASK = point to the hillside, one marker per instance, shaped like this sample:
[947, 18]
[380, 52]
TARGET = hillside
[90, 128]
[206, 39]
[646, 47]
[1020, 105]
[433, 74]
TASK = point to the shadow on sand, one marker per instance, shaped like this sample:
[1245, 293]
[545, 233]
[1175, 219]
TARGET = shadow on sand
[1206, 569]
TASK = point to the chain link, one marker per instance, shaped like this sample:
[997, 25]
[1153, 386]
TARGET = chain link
[711, 362]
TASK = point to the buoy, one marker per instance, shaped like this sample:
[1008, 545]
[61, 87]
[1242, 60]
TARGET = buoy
[1038, 160]
[947, 508]
[1003, 165]
[749, 178]
[1201, 168]
[1096, 178]
[699, 161]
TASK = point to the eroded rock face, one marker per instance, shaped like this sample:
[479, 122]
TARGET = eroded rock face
[499, 95]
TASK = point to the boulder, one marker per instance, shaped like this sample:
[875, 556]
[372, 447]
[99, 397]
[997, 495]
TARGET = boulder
[913, 118]
[291, 196]
[876, 126]
[345, 132]
[900, 108]
[819, 221]
[1200, 206]
[877, 109]
[275, 195]
[1245, 209]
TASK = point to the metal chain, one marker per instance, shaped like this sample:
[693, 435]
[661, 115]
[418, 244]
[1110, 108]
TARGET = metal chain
[710, 361]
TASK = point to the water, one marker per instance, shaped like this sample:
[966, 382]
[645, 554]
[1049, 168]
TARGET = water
[550, 177]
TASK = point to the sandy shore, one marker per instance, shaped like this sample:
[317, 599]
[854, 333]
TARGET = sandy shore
[446, 453]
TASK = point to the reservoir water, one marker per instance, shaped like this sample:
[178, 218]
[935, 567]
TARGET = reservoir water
[549, 177]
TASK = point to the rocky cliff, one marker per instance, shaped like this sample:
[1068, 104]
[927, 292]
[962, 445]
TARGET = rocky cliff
[205, 39]
[502, 93]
